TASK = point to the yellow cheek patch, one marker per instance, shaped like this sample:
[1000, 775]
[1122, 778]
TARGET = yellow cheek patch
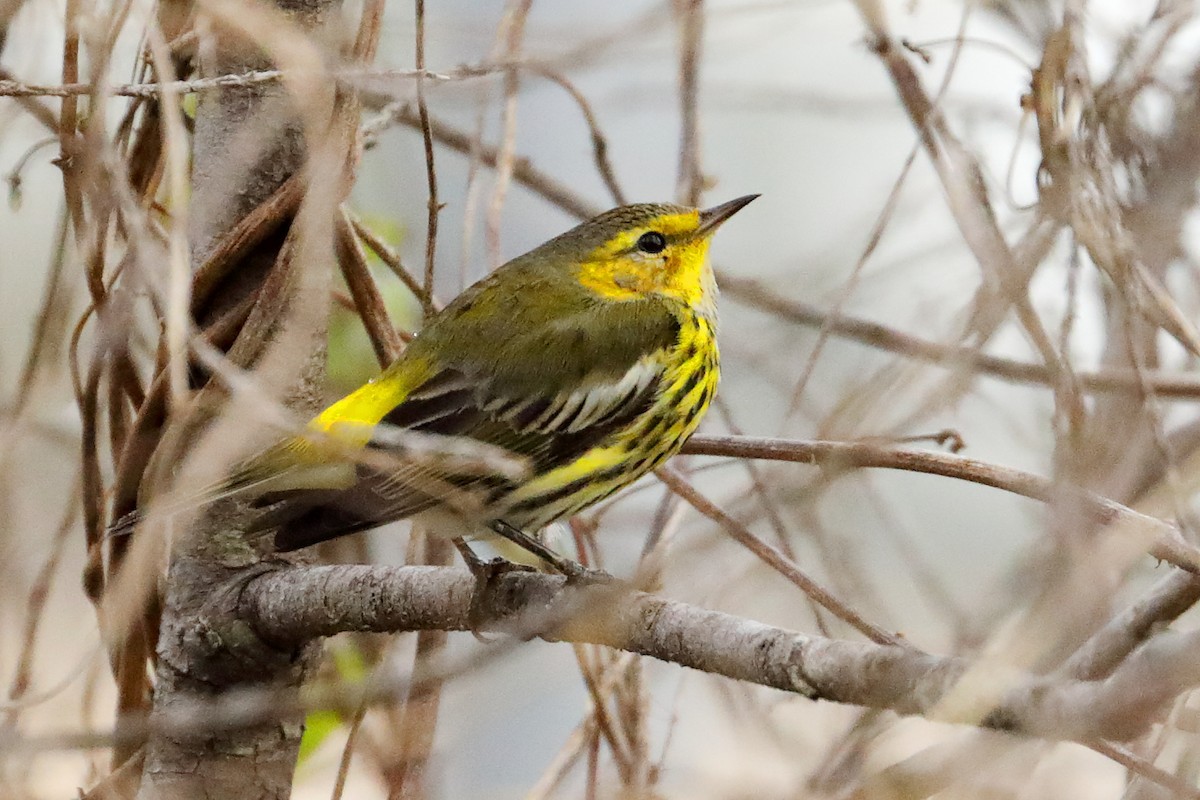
[615, 280]
[615, 271]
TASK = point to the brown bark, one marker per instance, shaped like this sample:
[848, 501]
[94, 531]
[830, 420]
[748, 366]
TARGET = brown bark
[248, 142]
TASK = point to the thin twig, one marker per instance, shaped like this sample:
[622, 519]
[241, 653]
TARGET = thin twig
[36, 108]
[427, 139]
[367, 300]
[775, 559]
[391, 259]
[599, 140]
[1168, 543]
[1102, 653]
[756, 295]
[418, 722]
[343, 771]
[351, 78]
[600, 716]
[524, 172]
[1140, 766]
[67, 122]
[690, 181]
[35, 603]
[513, 26]
[851, 283]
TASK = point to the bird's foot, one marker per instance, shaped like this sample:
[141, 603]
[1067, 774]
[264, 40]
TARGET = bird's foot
[575, 572]
[579, 575]
[485, 573]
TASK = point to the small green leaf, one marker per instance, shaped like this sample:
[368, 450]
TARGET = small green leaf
[350, 668]
[317, 727]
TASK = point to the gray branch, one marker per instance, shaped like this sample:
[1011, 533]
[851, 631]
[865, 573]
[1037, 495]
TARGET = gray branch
[293, 605]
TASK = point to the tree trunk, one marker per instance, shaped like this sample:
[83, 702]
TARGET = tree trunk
[248, 142]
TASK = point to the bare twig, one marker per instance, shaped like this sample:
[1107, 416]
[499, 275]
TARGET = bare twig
[294, 604]
[513, 27]
[1164, 542]
[690, 181]
[35, 604]
[391, 259]
[523, 172]
[351, 78]
[367, 300]
[430, 170]
[776, 560]
[599, 140]
[1102, 653]
[873, 334]
[418, 722]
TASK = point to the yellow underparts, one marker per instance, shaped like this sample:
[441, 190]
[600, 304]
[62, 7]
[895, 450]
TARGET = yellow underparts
[618, 271]
[691, 372]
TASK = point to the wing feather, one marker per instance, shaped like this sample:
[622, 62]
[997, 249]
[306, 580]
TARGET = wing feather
[550, 410]
[549, 431]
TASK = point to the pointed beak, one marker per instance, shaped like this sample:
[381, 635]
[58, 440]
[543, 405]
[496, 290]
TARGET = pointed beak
[711, 218]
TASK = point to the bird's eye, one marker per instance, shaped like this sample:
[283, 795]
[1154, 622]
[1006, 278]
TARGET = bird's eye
[652, 242]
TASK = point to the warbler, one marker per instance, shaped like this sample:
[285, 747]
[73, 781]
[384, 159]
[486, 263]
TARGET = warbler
[592, 358]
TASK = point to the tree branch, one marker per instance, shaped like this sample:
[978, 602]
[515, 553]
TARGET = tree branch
[1164, 541]
[349, 78]
[291, 605]
[752, 293]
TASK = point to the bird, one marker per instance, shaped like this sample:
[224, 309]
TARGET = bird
[589, 360]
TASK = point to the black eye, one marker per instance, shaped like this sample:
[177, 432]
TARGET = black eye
[652, 242]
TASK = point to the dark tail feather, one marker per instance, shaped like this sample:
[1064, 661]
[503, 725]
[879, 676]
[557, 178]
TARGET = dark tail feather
[307, 517]
[318, 524]
[302, 521]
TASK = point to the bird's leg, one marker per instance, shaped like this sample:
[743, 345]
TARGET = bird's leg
[485, 570]
[484, 573]
[574, 571]
[474, 563]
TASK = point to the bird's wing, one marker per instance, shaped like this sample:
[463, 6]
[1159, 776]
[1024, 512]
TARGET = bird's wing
[548, 411]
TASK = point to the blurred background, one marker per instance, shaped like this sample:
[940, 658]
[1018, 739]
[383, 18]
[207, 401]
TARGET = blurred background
[853, 220]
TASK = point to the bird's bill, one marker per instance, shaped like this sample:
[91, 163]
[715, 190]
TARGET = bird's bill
[711, 218]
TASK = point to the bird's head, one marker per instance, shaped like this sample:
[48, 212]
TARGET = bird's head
[648, 248]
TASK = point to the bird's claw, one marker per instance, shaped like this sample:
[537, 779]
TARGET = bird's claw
[485, 572]
[579, 575]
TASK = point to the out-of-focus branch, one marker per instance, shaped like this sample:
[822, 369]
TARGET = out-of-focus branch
[678, 484]
[294, 604]
[1168, 599]
[523, 172]
[873, 334]
[351, 78]
[1163, 539]
[35, 107]
[251, 145]
[368, 302]
[690, 181]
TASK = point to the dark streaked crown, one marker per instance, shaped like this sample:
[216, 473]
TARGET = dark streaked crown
[589, 235]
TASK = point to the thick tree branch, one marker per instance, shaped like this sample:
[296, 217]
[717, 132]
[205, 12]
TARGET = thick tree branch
[291, 605]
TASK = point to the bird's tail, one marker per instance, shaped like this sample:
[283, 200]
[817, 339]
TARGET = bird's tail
[240, 484]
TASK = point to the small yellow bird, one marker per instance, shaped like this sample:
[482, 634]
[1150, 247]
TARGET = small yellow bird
[592, 358]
